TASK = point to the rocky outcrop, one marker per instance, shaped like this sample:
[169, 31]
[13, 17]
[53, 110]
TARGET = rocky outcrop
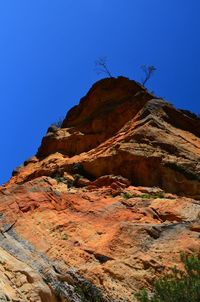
[120, 129]
[108, 202]
[93, 120]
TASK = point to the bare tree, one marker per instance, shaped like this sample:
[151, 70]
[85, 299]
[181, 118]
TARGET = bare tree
[101, 66]
[148, 70]
[59, 122]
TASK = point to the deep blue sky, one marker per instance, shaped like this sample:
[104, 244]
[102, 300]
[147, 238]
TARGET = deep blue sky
[48, 49]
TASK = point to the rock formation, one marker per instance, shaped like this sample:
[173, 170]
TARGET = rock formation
[107, 203]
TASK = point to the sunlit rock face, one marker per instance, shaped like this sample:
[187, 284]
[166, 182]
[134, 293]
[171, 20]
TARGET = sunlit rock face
[107, 203]
[120, 128]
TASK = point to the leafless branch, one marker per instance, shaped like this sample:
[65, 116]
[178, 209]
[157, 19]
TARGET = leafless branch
[101, 66]
[148, 70]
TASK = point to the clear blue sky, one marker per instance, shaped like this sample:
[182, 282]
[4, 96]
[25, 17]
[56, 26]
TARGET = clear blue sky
[48, 49]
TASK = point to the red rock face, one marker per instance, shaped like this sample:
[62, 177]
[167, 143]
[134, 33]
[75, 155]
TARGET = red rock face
[112, 193]
[108, 105]
[119, 128]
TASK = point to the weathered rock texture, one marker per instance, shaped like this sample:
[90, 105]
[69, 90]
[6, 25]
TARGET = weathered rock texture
[108, 202]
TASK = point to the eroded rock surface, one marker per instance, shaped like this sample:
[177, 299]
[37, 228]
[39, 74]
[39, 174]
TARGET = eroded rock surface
[119, 128]
[108, 202]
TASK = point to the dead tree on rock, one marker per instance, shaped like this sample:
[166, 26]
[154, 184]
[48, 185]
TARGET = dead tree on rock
[101, 66]
[149, 71]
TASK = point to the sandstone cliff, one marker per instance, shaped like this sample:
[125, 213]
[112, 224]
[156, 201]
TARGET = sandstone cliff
[107, 203]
